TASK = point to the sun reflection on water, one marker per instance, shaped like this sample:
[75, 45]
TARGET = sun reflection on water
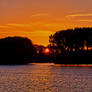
[45, 78]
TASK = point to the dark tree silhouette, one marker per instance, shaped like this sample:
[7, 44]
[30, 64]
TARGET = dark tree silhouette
[16, 50]
[71, 41]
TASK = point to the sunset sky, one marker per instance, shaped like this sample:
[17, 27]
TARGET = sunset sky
[37, 19]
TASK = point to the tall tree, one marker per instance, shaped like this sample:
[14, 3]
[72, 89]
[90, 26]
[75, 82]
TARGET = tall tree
[72, 39]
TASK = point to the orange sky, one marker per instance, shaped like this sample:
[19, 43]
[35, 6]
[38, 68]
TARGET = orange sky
[37, 19]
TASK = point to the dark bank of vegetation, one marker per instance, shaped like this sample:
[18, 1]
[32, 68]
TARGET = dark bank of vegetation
[16, 50]
[72, 46]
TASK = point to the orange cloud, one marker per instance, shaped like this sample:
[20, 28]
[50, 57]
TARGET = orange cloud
[4, 26]
[20, 25]
[85, 20]
[79, 15]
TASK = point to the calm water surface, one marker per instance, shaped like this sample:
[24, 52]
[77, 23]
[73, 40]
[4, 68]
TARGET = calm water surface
[45, 78]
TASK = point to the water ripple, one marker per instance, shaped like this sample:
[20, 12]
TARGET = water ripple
[45, 78]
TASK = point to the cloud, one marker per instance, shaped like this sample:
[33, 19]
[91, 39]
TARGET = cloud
[85, 20]
[19, 25]
[15, 25]
[79, 15]
[40, 14]
[4, 26]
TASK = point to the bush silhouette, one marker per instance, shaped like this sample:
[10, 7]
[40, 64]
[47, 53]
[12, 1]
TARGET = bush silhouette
[16, 50]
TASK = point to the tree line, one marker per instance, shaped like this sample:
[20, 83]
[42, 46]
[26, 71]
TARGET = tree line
[71, 42]
[64, 45]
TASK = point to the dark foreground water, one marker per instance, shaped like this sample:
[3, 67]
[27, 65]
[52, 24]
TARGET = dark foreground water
[45, 78]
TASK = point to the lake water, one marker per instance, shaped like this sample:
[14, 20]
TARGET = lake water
[45, 78]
